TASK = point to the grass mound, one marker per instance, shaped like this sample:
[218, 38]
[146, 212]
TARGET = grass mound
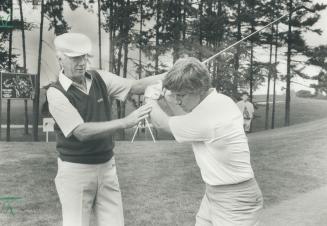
[160, 182]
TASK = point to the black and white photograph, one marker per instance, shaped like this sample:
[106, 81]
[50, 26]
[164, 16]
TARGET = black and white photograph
[163, 112]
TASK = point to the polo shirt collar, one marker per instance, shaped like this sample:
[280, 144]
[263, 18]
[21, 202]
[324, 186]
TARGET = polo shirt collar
[67, 82]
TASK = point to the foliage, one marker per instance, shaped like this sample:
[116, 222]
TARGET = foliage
[304, 94]
[318, 57]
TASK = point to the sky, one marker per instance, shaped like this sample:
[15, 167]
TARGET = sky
[86, 22]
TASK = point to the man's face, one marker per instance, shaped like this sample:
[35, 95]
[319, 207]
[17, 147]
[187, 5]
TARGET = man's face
[186, 100]
[74, 67]
[245, 97]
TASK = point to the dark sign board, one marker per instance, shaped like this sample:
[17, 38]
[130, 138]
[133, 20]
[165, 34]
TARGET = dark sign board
[17, 85]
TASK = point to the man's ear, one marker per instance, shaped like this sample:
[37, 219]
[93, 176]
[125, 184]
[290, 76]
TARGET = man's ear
[60, 59]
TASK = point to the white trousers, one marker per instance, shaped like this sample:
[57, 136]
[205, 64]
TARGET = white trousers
[247, 125]
[231, 205]
[87, 188]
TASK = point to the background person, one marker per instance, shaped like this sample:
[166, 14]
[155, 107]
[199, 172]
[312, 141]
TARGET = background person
[80, 103]
[247, 110]
[213, 125]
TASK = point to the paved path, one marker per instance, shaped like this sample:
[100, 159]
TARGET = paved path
[309, 209]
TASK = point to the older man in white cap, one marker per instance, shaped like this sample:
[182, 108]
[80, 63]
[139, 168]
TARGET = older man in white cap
[80, 102]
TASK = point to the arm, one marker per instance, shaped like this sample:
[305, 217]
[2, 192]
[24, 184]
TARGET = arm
[139, 86]
[97, 130]
[158, 117]
[71, 123]
[119, 88]
[184, 128]
[100, 130]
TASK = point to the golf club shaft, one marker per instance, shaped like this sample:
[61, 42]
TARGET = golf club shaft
[245, 38]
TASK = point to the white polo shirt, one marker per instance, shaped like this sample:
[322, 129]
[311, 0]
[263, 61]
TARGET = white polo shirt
[215, 129]
[66, 115]
[248, 105]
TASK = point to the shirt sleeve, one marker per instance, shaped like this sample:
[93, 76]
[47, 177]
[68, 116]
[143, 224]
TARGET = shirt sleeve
[118, 87]
[187, 128]
[64, 113]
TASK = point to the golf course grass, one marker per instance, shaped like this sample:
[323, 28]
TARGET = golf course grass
[302, 110]
[160, 182]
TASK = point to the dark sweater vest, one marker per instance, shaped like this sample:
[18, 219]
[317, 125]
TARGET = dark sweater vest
[94, 107]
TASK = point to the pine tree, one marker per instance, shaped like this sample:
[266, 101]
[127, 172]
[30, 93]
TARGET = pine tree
[297, 22]
[318, 57]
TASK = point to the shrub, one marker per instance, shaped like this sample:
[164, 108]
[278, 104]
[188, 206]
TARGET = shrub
[304, 94]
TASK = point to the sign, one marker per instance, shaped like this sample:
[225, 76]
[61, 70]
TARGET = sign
[17, 85]
[48, 124]
[5, 22]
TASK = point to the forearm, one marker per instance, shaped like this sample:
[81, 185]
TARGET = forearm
[140, 85]
[98, 130]
[158, 117]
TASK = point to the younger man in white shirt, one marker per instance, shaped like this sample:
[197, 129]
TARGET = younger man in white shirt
[214, 126]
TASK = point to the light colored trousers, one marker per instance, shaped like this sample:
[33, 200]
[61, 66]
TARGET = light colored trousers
[231, 205]
[247, 125]
[87, 188]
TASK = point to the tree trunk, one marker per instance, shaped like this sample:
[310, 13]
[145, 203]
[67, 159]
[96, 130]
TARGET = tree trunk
[123, 104]
[156, 56]
[9, 69]
[125, 44]
[268, 79]
[275, 79]
[111, 38]
[288, 76]
[37, 82]
[177, 30]
[270, 68]
[24, 61]
[184, 19]
[118, 104]
[237, 54]
[200, 29]
[140, 48]
[251, 71]
[218, 42]
[99, 33]
[252, 56]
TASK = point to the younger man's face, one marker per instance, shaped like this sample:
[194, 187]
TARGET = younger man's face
[187, 101]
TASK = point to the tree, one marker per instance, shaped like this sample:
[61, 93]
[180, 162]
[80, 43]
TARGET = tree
[36, 100]
[99, 33]
[53, 11]
[298, 22]
[275, 73]
[318, 57]
[24, 59]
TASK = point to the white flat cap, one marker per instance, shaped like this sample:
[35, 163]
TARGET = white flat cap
[73, 44]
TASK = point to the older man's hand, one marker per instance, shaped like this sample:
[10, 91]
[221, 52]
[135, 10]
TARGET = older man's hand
[153, 92]
[136, 116]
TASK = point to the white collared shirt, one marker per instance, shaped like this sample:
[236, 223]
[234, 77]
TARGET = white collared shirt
[67, 82]
[66, 115]
[215, 129]
[248, 105]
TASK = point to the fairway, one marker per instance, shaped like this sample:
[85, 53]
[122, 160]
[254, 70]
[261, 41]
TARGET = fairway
[160, 182]
[302, 110]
